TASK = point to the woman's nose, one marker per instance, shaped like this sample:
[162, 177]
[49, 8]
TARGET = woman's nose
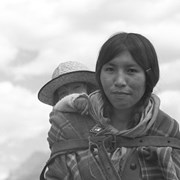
[120, 79]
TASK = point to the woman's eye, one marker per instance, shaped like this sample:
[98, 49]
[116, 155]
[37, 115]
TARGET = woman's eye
[132, 70]
[110, 69]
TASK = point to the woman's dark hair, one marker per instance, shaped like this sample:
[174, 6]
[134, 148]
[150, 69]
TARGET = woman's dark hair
[140, 48]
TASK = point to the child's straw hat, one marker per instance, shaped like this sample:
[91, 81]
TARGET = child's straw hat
[67, 72]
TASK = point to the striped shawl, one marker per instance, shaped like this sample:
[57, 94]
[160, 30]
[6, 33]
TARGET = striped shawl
[160, 163]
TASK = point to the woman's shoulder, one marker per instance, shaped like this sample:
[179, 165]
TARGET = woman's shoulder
[165, 125]
[94, 94]
[96, 98]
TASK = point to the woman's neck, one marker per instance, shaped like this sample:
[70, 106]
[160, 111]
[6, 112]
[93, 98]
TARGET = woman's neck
[121, 119]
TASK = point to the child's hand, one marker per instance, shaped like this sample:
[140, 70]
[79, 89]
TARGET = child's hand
[82, 105]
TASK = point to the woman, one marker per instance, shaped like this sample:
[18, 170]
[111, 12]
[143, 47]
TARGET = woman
[134, 139]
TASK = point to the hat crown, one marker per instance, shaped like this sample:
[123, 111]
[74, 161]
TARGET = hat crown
[67, 72]
[68, 67]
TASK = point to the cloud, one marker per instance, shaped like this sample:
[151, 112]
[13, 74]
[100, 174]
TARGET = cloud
[169, 76]
[46, 28]
[63, 49]
[22, 115]
[128, 12]
[30, 23]
[60, 31]
[170, 103]
[7, 53]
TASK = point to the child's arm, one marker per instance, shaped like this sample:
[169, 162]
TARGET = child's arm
[82, 103]
[73, 103]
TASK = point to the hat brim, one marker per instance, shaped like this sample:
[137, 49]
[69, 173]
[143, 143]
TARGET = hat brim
[46, 93]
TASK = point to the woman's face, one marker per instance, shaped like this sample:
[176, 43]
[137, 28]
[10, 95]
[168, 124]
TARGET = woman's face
[123, 81]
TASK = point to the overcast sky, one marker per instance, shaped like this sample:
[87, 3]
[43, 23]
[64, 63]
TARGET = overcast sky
[37, 35]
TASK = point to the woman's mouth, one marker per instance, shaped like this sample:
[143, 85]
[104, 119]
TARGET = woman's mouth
[120, 92]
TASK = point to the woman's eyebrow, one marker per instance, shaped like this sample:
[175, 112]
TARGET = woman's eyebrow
[132, 65]
[110, 64]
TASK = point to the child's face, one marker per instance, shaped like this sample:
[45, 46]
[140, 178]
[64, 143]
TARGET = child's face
[76, 87]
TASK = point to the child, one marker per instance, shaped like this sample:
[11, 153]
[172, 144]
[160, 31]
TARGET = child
[83, 103]
[73, 102]
[69, 77]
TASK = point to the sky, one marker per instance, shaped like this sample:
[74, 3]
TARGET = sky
[37, 35]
